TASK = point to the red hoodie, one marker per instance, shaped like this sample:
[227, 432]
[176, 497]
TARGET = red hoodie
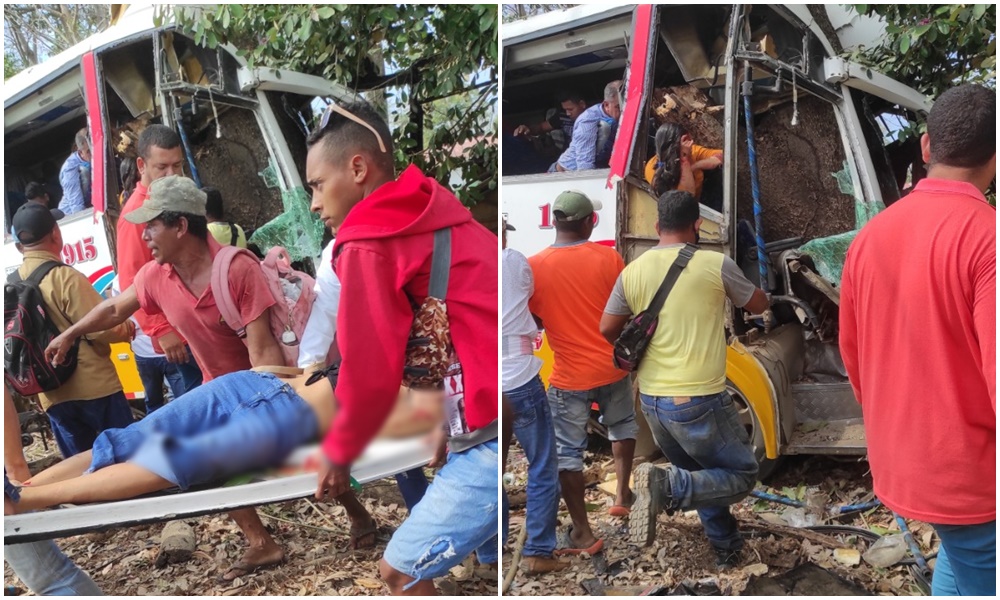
[382, 257]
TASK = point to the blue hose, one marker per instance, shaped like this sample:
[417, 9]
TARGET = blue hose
[754, 181]
[918, 556]
[840, 510]
[187, 147]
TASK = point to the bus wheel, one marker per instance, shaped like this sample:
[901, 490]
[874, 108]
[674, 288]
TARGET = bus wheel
[749, 420]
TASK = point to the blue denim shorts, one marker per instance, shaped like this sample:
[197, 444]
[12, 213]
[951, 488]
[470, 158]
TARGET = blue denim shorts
[457, 516]
[237, 423]
[571, 411]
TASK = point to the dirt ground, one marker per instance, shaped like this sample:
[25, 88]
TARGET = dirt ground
[681, 554]
[314, 536]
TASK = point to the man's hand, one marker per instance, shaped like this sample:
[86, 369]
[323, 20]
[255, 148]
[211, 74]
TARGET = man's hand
[334, 480]
[522, 130]
[173, 347]
[707, 164]
[441, 449]
[56, 351]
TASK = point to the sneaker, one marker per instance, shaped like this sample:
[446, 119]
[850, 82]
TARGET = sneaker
[728, 559]
[537, 565]
[650, 482]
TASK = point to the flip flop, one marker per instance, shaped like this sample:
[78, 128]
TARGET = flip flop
[619, 511]
[570, 550]
[358, 534]
[244, 568]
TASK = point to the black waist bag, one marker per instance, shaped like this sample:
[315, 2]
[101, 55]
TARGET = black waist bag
[631, 344]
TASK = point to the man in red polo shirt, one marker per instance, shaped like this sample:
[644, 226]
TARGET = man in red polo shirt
[918, 338]
[177, 285]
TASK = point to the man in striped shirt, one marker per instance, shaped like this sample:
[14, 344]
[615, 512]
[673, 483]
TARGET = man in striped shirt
[593, 134]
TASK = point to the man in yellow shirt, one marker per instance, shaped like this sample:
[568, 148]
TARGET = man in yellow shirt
[91, 400]
[682, 381]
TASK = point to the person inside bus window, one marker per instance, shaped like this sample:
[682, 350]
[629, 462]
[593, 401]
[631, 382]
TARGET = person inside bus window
[593, 134]
[679, 163]
[571, 106]
[36, 192]
[74, 176]
[224, 232]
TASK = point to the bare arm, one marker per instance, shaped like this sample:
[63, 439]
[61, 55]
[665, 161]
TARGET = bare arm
[106, 315]
[13, 455]
[612, 326]
[264, 350]
[758, 302]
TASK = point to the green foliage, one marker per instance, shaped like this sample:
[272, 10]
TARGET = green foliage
[419, 53]
[933, 47]
[11, 66]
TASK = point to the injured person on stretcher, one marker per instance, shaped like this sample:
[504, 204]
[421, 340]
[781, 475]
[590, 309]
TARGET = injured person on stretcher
[236, 423]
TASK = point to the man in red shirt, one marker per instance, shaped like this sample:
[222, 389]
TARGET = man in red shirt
[160, 155]
[385, 239]
[177, 285]
[918, 338]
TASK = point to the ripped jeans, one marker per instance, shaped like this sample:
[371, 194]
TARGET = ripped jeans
[457, 516]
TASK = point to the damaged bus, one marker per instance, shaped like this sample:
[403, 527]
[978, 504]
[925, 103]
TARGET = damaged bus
[243, 132]
[820, 157]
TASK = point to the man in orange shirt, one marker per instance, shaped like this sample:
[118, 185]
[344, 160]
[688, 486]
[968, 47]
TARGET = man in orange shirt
[573, 280]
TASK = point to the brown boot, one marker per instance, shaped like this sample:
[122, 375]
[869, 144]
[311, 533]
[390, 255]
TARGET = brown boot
[536, 565]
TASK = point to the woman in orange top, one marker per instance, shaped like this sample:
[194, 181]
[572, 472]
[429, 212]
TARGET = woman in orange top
[679, 162]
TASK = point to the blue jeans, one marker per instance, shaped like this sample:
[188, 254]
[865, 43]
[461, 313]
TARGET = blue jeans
[412, 485]
[967, 560]
[181, 378]
[457, 517]
[236, 423]
[534, 431]
[712, 464]
[43, 567]
[77, 423]
[571, 411]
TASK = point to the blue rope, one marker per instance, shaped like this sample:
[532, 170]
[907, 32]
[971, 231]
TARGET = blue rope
[755, 189]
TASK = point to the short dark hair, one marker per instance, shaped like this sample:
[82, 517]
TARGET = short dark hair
[576, 226]
[342, 135]
[35, 190]
[962, 127]
[160, 136]
[569, 96]
[677, 210]
[197, 225]
[213, 202]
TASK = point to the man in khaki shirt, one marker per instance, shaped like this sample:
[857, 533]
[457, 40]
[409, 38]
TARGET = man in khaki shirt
[92, 399]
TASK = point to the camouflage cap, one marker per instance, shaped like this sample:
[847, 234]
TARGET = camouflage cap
[174, 193]
[573, 206]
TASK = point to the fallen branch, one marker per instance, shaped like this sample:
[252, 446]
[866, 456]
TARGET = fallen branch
[516, 561]
[812, 536]
[297, 524]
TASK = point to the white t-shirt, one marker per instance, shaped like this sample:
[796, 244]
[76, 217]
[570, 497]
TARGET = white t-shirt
[322, 324]
[518, 286]
[142, 344]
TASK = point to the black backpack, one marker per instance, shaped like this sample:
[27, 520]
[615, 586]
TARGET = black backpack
[28, 330]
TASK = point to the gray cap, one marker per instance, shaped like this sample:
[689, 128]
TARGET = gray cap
[573, 206]
[174, 193]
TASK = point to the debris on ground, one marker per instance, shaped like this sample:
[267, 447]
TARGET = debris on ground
[778, 559]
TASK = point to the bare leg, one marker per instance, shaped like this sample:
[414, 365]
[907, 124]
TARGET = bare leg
[397, 580]
[624, 452]
[116, 482]
[70, 468]
[572, 486]
[263, 550]
[362, 524]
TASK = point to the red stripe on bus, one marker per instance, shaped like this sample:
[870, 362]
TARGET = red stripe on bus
[96, 124]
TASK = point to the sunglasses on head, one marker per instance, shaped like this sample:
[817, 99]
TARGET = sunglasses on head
[333, 108]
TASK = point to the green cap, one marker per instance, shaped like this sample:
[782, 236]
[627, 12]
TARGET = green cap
[573, 206]
[174, 193]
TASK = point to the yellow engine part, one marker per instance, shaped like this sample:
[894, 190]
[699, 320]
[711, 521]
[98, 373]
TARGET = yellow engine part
[128, 372]
[743, 370]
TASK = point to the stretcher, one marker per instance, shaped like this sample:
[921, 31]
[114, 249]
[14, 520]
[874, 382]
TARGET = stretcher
[383, 458]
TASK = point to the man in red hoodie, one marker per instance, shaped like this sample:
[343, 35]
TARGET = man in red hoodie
[384, 231]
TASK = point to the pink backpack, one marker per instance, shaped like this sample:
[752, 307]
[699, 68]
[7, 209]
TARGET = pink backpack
[293, 293]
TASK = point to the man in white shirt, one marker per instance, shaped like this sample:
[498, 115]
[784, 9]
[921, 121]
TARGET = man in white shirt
[532, 416]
